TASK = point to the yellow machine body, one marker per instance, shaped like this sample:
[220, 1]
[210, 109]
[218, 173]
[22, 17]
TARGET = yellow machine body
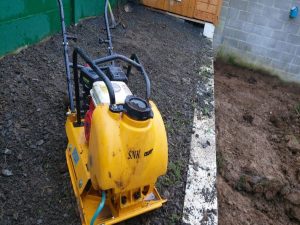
[123, 157]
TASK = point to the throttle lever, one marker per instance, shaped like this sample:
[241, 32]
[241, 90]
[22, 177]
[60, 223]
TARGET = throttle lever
[72, 37]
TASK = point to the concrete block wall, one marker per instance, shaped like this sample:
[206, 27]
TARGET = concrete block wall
[260, 32]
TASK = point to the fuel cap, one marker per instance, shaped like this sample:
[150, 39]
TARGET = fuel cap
[137, 108]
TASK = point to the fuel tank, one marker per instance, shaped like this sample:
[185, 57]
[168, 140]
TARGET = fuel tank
[126, 153]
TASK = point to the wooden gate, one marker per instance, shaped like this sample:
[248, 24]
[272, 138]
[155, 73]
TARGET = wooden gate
[203, 10]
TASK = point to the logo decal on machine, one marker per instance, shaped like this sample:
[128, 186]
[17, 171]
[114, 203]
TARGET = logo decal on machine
[134, 154]
[148, 152]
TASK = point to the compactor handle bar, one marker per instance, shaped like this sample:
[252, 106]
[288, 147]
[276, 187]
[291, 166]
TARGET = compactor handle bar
[132, 61]
[66, 56]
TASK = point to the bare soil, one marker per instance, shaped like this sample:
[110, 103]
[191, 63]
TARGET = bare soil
[258, 150]
[32, 112]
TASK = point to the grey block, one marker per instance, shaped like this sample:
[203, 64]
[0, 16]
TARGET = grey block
[230, 42]
[286, 58]
[292, 77]
[257, 29]
[269, 43]
[294, 69]
[265, 61]
[276, 24]
[291, 27]
[245, 16]
[236, 34]
[285, 47]
[266, 2]
[259, 51]
[257, 40]
[284, 15]
[244, 46]
[260, 20]
[282, 4]
[233, 13]
[274, 54]
[234, 23]
[224, 12]
[298, 51]
[255, 8]
[296, 60]
[294, 39]
[239, 4]
[261, 41]
[248, 27]
[226, 3]
[279, 35]
[252, 58]
[280, 65]
[277, 14]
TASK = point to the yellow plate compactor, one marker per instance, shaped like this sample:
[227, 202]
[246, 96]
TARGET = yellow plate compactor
[117, 144]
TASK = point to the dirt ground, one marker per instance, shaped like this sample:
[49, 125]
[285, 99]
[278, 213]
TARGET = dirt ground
[34, 182]
[257, 123]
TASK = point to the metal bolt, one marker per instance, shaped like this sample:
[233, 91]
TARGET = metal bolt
[80, 183]
[123, 200]
[137, 195]
[114, 107]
